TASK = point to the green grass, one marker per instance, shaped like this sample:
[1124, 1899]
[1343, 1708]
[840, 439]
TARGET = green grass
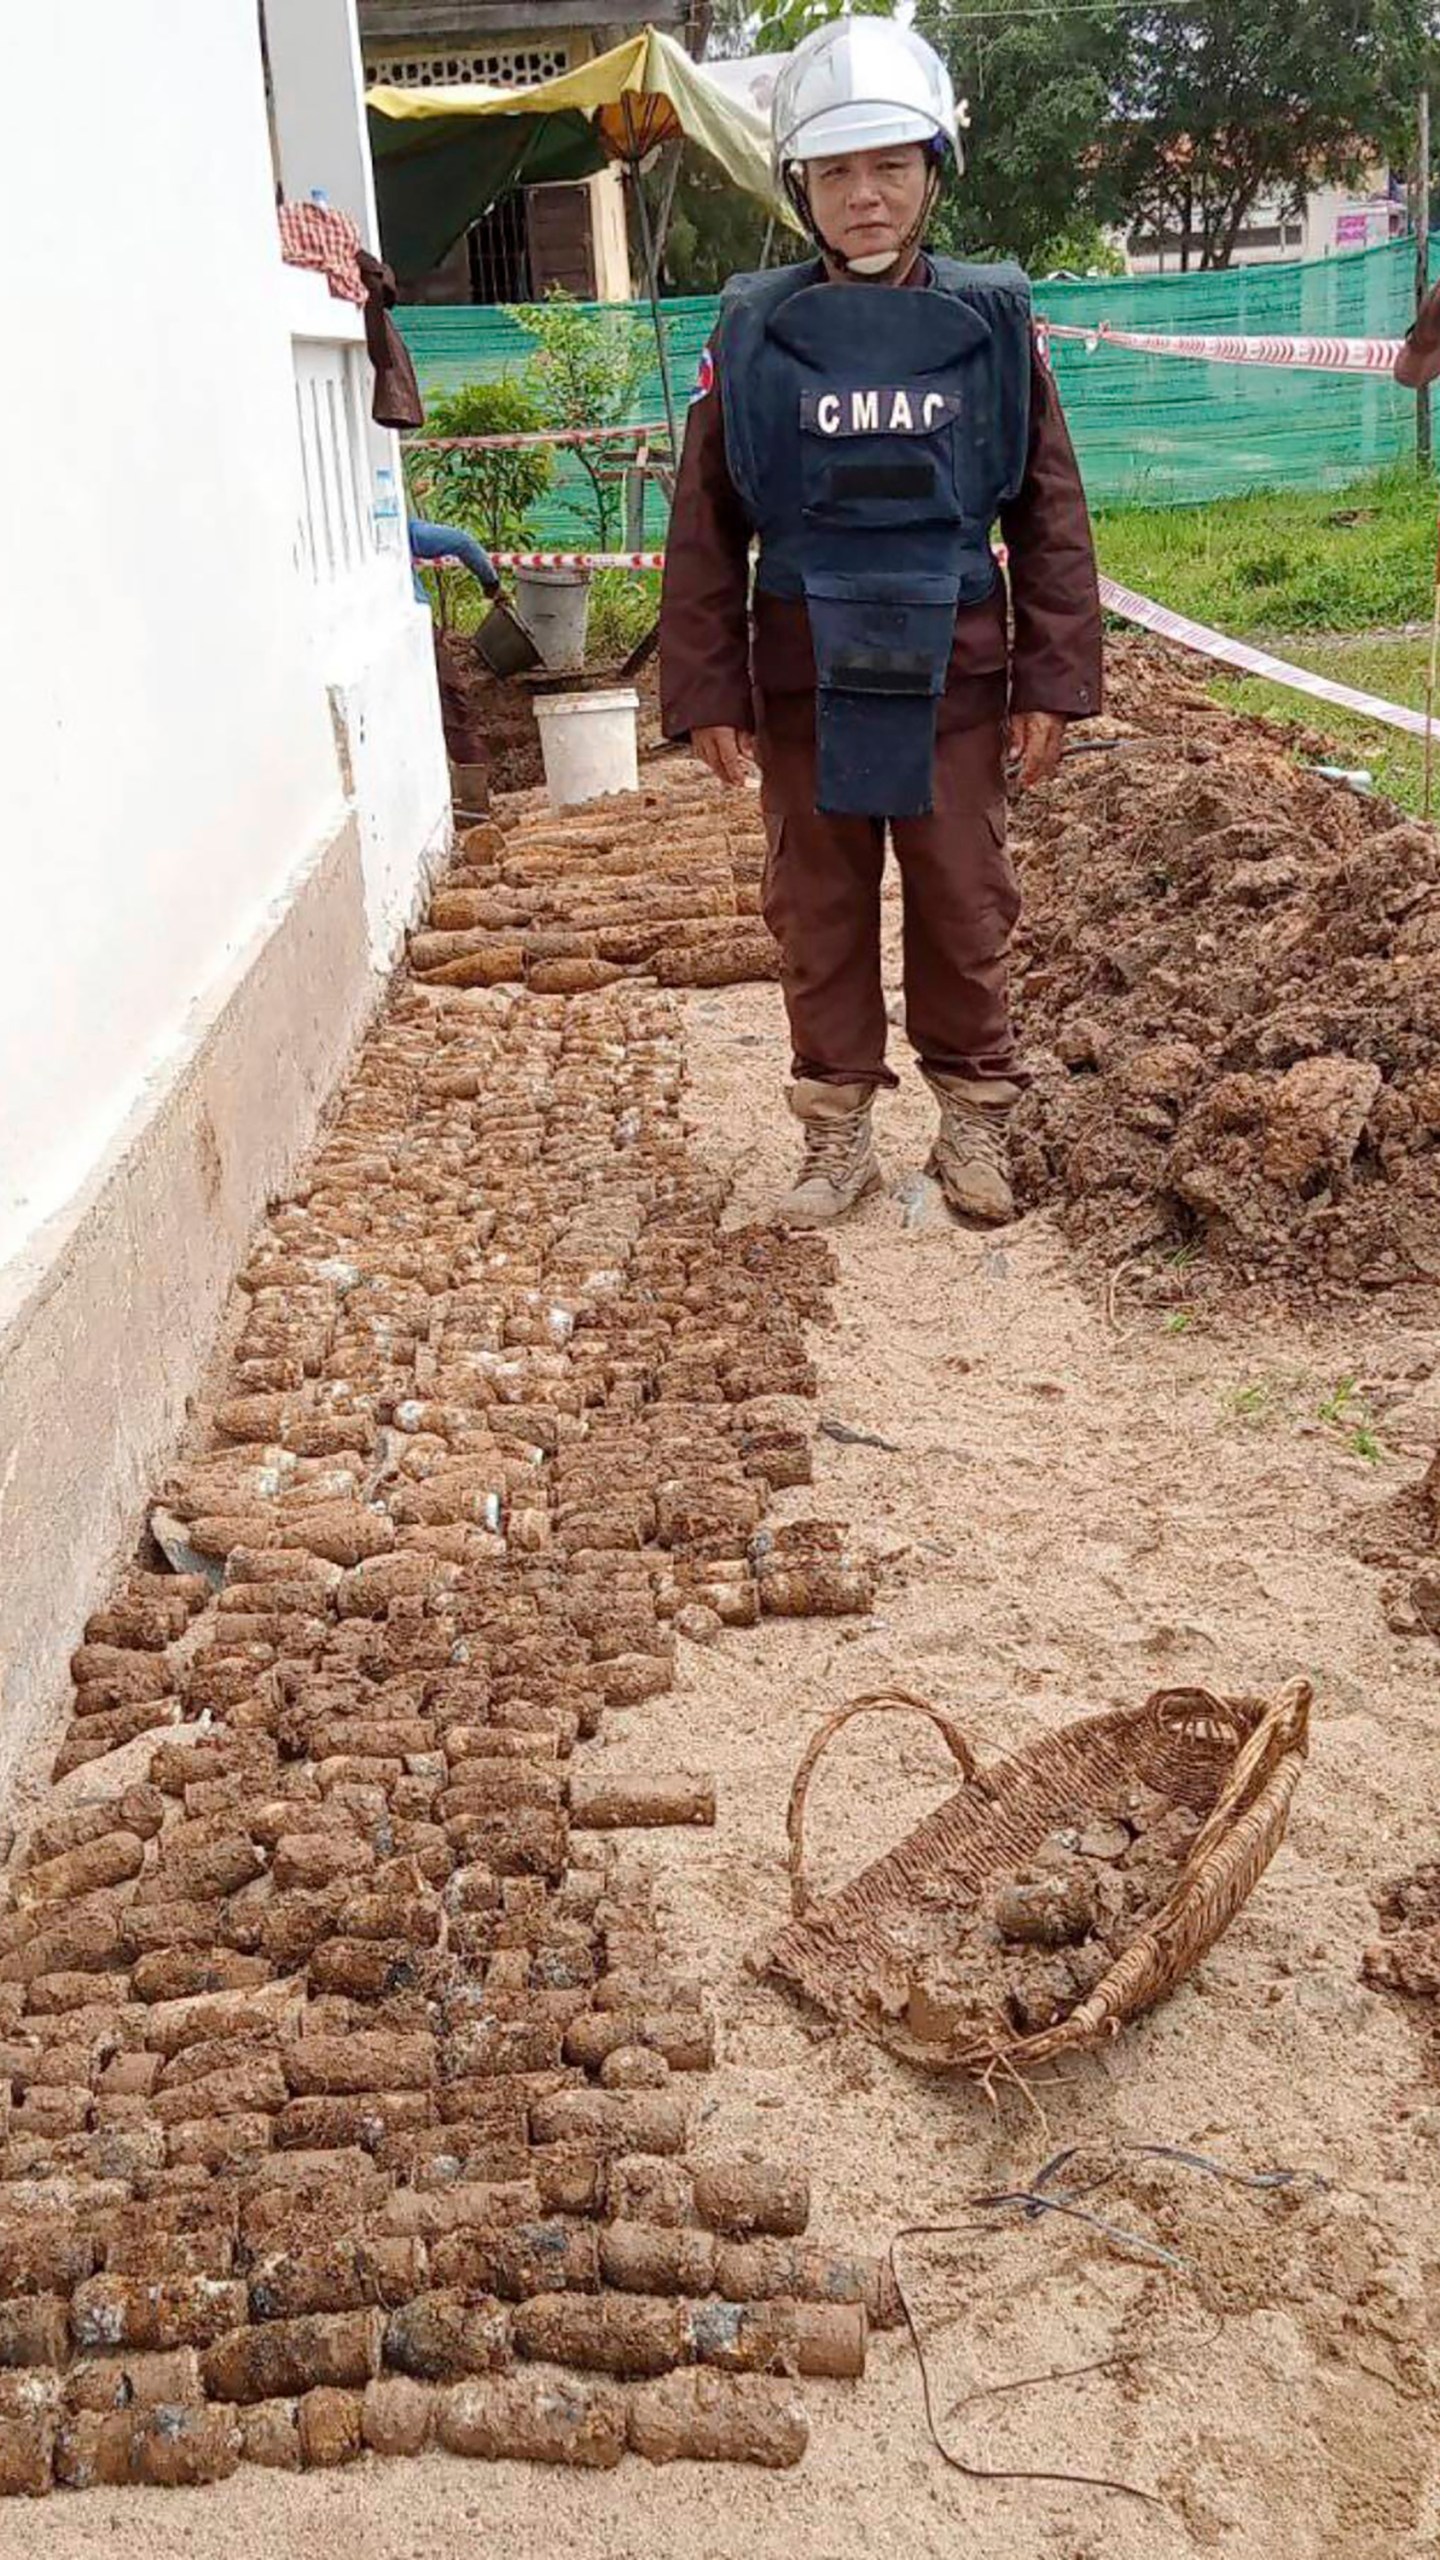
[1285, 560]
[1347, 1413]
[1259, 1402]
[1394, 668]
[1327, 579]
[1277, 1401]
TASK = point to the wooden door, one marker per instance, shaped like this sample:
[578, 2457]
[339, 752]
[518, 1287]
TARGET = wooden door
[562, 243]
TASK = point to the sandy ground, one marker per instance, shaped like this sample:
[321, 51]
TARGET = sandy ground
[1070, 1518]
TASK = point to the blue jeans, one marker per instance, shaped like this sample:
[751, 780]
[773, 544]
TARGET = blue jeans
[451, 542]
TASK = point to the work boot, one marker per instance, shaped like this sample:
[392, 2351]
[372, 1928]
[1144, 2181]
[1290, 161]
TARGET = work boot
[970, 1157]
[839, 1165]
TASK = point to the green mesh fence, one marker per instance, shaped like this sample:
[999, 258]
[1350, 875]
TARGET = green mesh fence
[1161, 430]
[1169, 430]
[461, 343]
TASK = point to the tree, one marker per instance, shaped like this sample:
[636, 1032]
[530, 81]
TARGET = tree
[779, 24]
[489, 493]
[1220, 103]
[1038, 89]
[1181, 114]
[714, 231]
[587, 372]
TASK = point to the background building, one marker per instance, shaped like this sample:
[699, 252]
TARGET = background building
[535, 237]
[1328, 221]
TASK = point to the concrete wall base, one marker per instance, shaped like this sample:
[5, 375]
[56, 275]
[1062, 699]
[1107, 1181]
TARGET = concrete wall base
[108, 1315]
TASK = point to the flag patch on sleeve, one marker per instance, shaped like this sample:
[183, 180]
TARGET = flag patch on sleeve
[705, 378]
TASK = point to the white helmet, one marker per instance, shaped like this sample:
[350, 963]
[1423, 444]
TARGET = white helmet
[861, 84]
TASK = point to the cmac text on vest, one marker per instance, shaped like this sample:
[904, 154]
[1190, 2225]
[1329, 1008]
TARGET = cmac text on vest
[882, 410]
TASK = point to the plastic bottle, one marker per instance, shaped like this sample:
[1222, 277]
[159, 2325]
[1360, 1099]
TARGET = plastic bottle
[387, 511]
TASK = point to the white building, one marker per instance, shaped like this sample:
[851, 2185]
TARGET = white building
[223, 772]
[1329, 221]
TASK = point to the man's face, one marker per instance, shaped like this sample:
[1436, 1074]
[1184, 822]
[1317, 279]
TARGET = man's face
[868, 203]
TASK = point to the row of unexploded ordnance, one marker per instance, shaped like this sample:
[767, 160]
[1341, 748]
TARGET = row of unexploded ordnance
[357, 1865]
[537, 2416]
[665, 882]
[351, 1953]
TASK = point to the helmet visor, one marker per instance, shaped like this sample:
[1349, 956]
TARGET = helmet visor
[871, 125]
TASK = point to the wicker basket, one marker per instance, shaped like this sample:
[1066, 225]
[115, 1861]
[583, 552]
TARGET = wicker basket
[1234, 1761]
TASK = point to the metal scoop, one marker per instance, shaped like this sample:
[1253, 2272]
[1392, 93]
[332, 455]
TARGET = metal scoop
[505, 644]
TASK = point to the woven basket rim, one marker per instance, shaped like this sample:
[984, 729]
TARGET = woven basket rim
[1234, 1845]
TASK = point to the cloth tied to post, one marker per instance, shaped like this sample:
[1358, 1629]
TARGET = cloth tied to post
[319, 236]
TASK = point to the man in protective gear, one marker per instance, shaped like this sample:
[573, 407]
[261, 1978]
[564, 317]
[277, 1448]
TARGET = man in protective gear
[866, 418]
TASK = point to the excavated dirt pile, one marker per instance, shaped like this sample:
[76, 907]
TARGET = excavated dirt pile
[486, 722]
[1229, 986]
[345, 2078]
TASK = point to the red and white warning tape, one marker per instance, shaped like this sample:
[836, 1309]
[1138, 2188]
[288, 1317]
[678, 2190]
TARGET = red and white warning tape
[559, 560]
[1257, 662]
[579, 559]
[540, 435]
[1311, 355]
[1125, 601]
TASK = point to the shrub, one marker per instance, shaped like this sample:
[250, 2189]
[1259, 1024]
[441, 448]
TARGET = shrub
[588, 371]
[491, 494]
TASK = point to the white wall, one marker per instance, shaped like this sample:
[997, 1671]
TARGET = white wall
[222, 775]
[167, 758]
[318, 82]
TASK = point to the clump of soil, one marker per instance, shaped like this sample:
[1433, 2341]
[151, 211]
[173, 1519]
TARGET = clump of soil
[1229, 983]
[486, 723]
[1406, 1957]
[1411, 1598]
[1038, 1940]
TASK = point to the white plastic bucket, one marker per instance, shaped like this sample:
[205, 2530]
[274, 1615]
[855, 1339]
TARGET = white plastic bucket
[589, 745]
[554, 606]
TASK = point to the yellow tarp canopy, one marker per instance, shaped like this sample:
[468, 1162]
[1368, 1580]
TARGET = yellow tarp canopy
[622, 105]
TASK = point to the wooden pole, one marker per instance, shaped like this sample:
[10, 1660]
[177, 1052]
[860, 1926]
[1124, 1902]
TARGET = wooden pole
[1422, 263]
[652, 272]
[673, 153]
[1431, 682]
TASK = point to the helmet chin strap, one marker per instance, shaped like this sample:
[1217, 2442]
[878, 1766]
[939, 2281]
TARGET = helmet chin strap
[870, 267]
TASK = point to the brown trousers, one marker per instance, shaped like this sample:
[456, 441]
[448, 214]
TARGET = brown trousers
[822, 903]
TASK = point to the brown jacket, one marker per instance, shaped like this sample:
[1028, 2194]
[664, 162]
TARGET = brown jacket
[717, 670]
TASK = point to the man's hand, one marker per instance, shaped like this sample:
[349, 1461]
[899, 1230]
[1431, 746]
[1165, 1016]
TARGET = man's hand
[729, 753]
[1036, 738]
[1419, 359]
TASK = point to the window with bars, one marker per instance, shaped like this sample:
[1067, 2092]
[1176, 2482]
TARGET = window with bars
[516, 67]
[499, 252]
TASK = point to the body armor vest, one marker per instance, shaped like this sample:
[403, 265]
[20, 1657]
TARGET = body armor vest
[873, 433]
